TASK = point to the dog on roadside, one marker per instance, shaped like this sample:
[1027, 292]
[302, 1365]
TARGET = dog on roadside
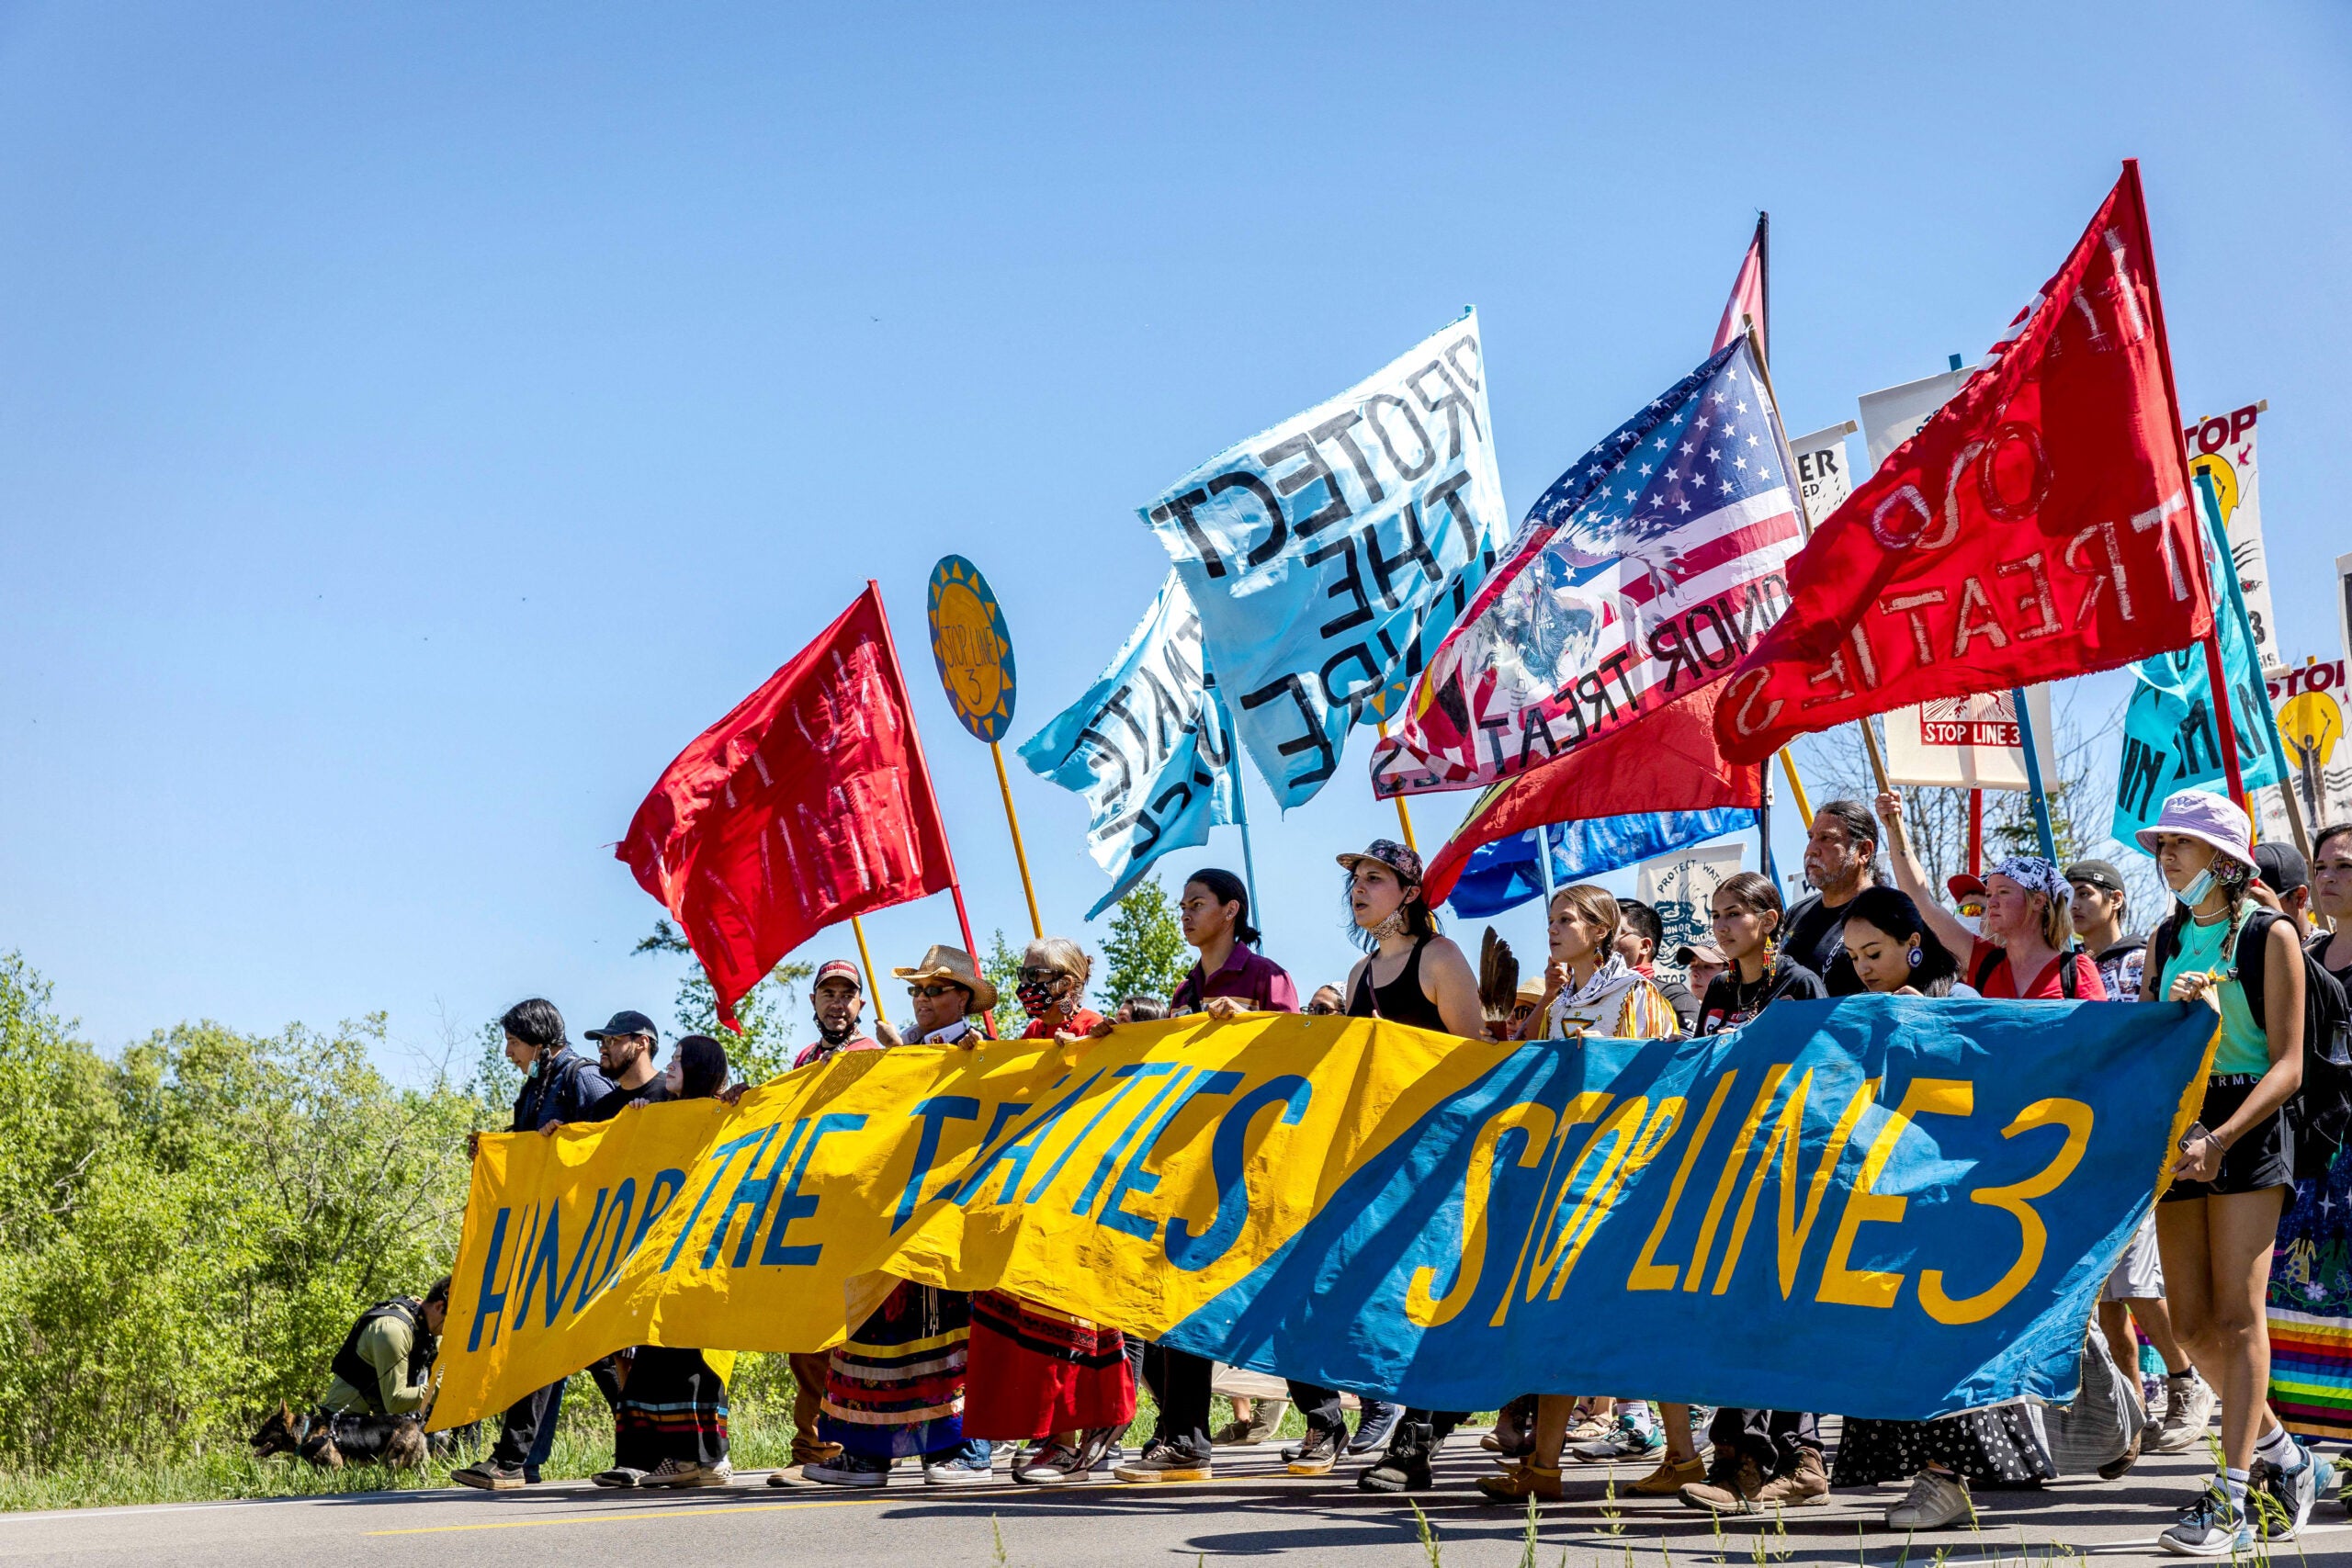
[330, 1442]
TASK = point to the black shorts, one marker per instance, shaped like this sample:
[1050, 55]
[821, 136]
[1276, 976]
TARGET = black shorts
[2263, 1156]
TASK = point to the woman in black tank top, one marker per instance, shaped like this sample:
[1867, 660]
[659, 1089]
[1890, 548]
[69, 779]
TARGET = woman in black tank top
[1432, 987]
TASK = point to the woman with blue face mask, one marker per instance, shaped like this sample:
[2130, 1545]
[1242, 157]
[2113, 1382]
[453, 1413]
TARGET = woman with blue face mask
[2217, 1223]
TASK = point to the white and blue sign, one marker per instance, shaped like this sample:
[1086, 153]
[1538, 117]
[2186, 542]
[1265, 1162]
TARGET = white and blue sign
[1330, 555]
[1149, 745]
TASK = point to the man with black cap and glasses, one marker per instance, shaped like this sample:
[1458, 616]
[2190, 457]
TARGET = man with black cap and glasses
[559, 1086]
[2100, 907]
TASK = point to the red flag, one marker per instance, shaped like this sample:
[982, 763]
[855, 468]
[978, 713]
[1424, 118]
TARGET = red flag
[1749, 294]
[1668, 761]
[2037, 527]
[808, 804]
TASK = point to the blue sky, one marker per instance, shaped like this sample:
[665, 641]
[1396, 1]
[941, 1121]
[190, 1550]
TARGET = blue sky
[418, 422]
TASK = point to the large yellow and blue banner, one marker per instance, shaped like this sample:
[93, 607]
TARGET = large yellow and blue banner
[1877, 1206]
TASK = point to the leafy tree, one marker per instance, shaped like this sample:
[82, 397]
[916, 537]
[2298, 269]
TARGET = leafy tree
[769, 1013]
[1002, 969]
[191, 1229]
[1145, 953]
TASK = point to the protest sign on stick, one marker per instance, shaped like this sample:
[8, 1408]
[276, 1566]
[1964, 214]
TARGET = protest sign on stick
[1328, 554]
[974, 653]
[2309, 702]
[2223, 446]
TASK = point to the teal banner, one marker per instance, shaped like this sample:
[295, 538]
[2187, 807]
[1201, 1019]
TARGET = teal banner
[2171, 737]
[1876, 1206]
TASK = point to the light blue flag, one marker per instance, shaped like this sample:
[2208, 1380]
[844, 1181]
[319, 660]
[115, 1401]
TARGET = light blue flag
[1505, 874]
[2170, 736]
[1330, 556]
[1149, 745]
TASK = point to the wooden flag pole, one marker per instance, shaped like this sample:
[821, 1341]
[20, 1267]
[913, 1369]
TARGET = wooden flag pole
[1975, 832]
[1020, 855]
[873, 986]
[1404, 817]
[954, 886]
[1796, 788]
[2220, 535]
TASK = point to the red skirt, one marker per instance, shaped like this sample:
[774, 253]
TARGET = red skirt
[1035, 1371]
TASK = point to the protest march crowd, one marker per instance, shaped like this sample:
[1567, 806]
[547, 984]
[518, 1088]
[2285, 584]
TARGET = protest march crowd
[1614, 675]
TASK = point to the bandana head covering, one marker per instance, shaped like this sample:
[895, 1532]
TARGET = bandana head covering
[2035, 875]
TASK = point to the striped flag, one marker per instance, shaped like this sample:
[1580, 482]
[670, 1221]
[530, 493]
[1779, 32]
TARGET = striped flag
[1642, 575]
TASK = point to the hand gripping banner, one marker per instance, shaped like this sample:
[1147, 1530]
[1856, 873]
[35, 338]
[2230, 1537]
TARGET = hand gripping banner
[1876, 1206]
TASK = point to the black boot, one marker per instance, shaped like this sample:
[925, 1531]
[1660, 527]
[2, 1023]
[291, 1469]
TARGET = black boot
[1406, 1466]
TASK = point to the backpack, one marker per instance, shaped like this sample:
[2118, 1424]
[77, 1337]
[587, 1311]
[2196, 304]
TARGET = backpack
[354, 1369]
[1995, 958]
[2321, 1111]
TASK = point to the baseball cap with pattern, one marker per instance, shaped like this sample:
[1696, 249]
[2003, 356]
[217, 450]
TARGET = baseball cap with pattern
[1392, 854]
[839, 969]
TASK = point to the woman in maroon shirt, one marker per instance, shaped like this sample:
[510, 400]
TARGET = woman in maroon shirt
[1216, 915]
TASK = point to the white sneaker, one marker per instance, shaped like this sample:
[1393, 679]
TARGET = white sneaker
[2189, 1410]
[684, 1472]
[1935, 1500]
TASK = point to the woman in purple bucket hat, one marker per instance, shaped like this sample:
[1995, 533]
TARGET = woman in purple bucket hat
[2218, 1219]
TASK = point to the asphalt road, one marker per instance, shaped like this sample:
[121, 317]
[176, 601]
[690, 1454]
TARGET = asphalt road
[1252, 1510]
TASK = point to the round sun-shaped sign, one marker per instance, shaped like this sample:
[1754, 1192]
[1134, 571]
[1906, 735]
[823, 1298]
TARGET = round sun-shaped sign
[969, 645]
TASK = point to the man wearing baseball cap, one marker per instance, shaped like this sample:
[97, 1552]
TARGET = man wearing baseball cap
[837, 995]
[2098, 908]
[2283, 869]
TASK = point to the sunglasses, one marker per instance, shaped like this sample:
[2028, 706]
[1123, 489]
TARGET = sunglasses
[1322, 1009]
[933, 990]
[1040, 976]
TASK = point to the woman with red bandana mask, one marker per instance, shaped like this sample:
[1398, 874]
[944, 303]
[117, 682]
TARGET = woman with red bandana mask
[1037, 1373]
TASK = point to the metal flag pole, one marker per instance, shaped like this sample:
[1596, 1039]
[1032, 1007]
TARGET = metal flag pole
[1543, 859]
[954, 886]
[1020, 855]
[2034, 775]
[1805, 527]
[873, 986]
[1241, 820]
[1404, 817]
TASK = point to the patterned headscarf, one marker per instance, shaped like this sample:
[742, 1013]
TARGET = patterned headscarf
[2035, 875]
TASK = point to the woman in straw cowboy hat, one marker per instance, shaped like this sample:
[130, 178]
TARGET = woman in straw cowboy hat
[895, 1388]
[2218, 1222]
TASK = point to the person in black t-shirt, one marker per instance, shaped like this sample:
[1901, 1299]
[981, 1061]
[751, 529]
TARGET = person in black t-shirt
[1746, 915]
[1839, 850]
[1765, 1459]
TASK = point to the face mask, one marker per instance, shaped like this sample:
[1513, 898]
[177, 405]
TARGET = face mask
[1036, 997]
[2199, 885]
